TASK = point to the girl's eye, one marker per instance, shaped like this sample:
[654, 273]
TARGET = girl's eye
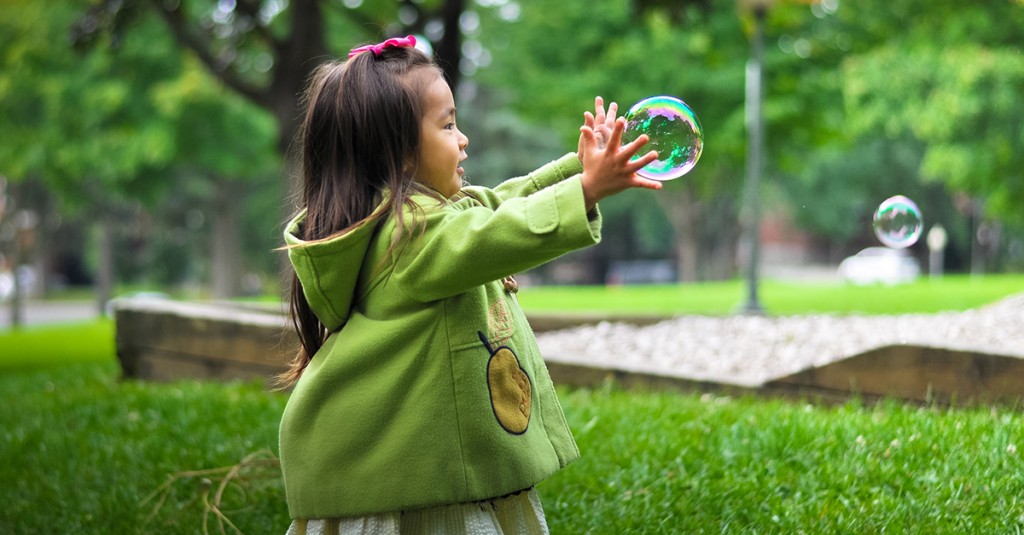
[449, 126]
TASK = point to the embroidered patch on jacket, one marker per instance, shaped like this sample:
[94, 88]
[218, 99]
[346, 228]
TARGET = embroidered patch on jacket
[499, 321]
[510, 388]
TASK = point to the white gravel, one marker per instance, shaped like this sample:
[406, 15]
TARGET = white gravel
[750, 350]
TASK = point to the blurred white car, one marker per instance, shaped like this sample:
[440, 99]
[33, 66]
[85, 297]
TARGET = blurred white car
[880, 265]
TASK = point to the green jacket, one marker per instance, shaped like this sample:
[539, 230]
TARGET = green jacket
[431, 389]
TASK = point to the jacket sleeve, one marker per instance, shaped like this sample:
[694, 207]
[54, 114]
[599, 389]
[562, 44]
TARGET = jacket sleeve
[465, 244]
[547, 175]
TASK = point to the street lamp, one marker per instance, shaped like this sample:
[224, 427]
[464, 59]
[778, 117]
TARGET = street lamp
[755, 144]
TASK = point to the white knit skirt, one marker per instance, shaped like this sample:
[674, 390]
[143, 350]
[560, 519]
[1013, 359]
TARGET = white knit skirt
[518, 514]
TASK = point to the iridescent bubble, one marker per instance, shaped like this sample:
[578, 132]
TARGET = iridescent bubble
[898, 222]
[674, 132]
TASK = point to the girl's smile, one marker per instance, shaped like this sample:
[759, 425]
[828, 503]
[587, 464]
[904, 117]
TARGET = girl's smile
[442, 145]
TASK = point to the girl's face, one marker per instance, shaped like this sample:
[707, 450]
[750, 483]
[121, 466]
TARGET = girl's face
[442, 145]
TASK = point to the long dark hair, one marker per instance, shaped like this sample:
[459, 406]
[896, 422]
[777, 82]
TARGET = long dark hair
[359, 139]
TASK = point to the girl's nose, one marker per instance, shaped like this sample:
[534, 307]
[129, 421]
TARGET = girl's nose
[463, 140]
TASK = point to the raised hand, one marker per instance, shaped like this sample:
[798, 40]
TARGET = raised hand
[607, 168]
[602, 122]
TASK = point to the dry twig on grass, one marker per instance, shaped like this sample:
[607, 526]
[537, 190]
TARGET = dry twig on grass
[257, 466]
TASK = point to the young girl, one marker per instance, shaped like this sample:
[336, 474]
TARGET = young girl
[421, 403]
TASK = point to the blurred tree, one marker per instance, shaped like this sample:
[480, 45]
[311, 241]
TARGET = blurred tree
[225, 150]
[265, 50]
[80, 121]
[119, 125]
[863, 100]
[692, 50]
[917, 97]
[967, 112]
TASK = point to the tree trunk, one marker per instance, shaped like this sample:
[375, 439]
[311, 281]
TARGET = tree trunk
[105, 269]
[295, 59]
[722, 263]
[18, 296]
[225, 255]
[683, 212]
[448, 52]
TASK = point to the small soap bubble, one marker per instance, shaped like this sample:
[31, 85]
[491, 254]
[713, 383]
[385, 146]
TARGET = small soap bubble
[674, 132]
[898, 222]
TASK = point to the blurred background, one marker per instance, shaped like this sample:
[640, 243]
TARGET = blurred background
[144, 144]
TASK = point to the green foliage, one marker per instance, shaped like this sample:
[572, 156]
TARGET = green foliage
[965, 109]
[852, 181]
[217, 132]
[936, 79]
[551, 76]
[121, 112]
[692, 50]
[81, 119]
[863, 100]
[125, 117]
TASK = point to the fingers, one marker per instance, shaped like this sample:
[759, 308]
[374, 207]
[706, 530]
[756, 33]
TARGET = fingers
[587, 132]
[647, 183]
[603, 117]
[616, 137]
[641, 162]
[588, 119]
[634, 146]
[599, 115]
[614, 144]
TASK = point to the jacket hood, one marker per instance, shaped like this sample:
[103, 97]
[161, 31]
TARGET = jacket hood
[329, 269]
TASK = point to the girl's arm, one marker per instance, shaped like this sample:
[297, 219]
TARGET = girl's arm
[465, 244]
[548, 175]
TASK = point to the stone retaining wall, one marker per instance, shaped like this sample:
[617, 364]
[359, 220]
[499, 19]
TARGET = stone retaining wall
[168, 340]
[161, 340]
[165, 340]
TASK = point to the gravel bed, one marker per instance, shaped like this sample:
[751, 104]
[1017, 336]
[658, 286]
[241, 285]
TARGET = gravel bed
[750, 350]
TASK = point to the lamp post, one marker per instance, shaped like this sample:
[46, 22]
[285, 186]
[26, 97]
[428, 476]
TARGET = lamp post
[755, 145]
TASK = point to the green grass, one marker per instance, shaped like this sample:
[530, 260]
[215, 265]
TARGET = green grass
[663, 462]
[959, 292]
[952, 292]
[43, 346]
[80, 450]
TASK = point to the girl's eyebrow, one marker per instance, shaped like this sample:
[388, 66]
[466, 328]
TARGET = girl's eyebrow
[450, 112]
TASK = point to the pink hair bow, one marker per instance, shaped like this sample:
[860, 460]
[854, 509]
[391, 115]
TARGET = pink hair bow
[379, 47]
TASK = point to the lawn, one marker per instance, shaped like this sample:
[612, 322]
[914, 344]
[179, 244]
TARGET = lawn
[81, 450]
[84, 451]
[958, 292]
[67, 344]
[670, 463]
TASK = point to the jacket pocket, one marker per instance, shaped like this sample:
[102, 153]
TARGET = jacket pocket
[542, 211]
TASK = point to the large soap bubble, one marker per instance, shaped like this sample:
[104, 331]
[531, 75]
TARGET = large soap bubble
[674, 132]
